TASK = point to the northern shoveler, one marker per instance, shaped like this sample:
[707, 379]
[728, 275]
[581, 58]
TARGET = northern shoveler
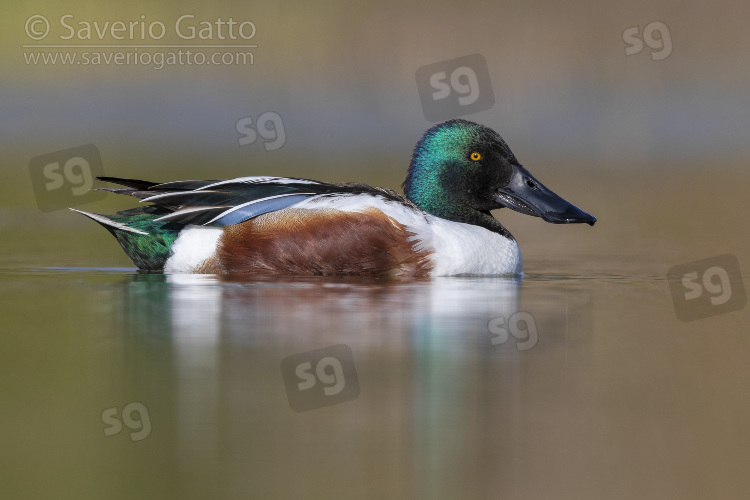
[459, 171]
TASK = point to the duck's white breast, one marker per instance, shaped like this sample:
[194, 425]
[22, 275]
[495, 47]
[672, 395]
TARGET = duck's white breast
[460, 248]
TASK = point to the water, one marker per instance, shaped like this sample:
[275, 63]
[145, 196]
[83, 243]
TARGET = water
[598, 392]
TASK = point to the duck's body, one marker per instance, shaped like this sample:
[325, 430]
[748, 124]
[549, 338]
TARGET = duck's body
[279, 225]
[345, 229]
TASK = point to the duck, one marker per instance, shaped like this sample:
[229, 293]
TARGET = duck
[441, 226]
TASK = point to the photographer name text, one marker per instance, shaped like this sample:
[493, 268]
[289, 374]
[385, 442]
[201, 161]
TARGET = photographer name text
[185, 27]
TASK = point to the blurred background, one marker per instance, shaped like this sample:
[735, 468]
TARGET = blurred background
[662, 127]
[637, 112]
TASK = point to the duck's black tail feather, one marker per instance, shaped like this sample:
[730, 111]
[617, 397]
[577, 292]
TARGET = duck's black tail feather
[131, 183]
[134, 187]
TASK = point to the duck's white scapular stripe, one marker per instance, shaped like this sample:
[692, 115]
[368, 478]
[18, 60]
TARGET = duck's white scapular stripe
[165, 195]
[192, 247]
[109, 222]
[161, 184]
[258, 180]
[184, 211]
[259, 200]
[243, 180]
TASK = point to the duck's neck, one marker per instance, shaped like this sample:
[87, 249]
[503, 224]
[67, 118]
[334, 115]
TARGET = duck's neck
[436, 200]
[477, 218]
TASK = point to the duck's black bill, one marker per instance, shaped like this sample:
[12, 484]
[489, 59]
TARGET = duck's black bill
[528, 196]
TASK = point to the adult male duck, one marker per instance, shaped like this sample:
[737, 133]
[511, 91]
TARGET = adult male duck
[459, 171]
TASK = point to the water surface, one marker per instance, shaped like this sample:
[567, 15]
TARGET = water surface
[606, 395]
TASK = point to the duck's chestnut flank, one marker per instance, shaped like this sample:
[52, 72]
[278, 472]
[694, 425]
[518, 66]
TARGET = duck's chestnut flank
[320, 242]
[459, 172]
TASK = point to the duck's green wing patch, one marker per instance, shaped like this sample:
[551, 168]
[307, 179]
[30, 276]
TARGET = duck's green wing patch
[145, 240]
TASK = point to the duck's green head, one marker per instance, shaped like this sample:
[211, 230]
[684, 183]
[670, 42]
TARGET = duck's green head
[461, 170]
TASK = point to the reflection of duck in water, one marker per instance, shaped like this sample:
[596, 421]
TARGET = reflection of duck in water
[199, 309]
[276, 225]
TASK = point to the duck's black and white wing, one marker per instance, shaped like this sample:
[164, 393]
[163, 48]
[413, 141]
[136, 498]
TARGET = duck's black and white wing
[227, 202]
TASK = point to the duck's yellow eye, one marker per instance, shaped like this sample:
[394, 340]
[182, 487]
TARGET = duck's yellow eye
[476, 156]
